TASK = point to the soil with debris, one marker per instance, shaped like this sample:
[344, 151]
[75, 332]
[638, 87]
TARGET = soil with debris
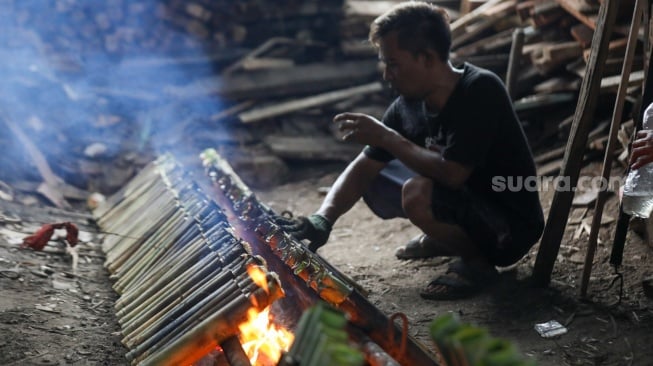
[601, 331]
[52, 314]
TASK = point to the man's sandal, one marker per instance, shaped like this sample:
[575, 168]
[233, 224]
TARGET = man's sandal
[420, 247]
[460, 281]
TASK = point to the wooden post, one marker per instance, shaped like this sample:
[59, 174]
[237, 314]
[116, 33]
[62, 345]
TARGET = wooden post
[572, 162]
[514, 61]
[616, 256]
[607, 159]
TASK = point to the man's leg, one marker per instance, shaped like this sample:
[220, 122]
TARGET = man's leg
[384, 196]
[447, 236]
[450, 238]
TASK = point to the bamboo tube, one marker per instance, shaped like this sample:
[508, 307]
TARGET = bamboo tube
[130, 230]
[159, 244]
[116, 258]
[167, 272]
[166, 223]
[195, 297]
[195, 316]
[162, 300]
[153, 299]
[144, 177]
[177, 286]
[207, 335]
[133, 205]
[234, 352]
[170, 274]
[127, 200]
[187, 249]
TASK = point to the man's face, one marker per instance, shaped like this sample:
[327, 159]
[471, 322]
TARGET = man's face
[402, 69]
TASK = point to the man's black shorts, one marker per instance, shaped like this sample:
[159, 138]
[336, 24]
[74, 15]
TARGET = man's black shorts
[502, 239]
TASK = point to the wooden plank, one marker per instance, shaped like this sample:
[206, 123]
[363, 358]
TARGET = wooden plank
[309, 102]
[580, 10]
[368, 9]
[311, 148]
[469, 5]
[310, 78]
[617, 48]
[583, 119]
[546, 13]
[612, 83]
[582, 34]
[550, 56]
[458, 26]
[498, 40]
[487, 20]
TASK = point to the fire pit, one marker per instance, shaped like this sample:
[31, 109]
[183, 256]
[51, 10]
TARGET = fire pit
[215, 281]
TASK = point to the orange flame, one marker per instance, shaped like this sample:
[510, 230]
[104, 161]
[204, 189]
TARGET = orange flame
[262, 340]
[258, 276]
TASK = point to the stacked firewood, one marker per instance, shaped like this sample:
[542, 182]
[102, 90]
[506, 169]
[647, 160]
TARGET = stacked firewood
[126, 27]
[122, 81]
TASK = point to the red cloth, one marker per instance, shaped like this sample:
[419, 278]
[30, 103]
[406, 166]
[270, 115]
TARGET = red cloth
[39, 239]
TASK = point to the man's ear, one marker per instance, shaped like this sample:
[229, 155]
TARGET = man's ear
[430, 57]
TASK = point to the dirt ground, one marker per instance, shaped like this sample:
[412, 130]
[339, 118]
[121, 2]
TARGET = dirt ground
[52, 316]
[600, 331]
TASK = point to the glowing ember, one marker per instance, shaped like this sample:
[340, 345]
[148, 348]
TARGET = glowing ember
[262, 340]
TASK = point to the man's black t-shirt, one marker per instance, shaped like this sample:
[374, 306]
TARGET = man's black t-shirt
[478, 128]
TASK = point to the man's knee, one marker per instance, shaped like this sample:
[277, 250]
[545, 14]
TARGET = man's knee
[416, 197]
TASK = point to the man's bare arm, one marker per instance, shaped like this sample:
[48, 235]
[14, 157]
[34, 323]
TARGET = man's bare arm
[349, 187]
[368, 130]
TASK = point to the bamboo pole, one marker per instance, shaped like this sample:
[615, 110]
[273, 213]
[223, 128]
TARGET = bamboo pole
[221, 325]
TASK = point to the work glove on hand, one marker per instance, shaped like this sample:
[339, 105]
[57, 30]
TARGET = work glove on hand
[314, 228]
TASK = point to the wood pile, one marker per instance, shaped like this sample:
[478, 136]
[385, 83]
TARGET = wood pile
[101, 87]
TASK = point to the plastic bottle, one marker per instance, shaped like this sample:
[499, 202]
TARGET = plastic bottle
[638, 190]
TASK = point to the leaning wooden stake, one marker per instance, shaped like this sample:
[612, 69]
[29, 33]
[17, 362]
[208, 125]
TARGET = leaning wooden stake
[572, 163]
[607, 159]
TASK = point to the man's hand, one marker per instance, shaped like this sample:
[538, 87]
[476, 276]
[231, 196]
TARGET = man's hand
[362, 128]
[315, 228]
[642, 153]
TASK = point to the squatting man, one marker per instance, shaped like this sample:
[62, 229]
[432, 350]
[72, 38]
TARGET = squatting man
[432, 157]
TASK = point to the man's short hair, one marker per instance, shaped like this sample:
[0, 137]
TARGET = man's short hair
[419, 25]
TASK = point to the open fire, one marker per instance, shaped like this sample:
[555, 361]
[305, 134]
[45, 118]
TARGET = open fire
[261, 339]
